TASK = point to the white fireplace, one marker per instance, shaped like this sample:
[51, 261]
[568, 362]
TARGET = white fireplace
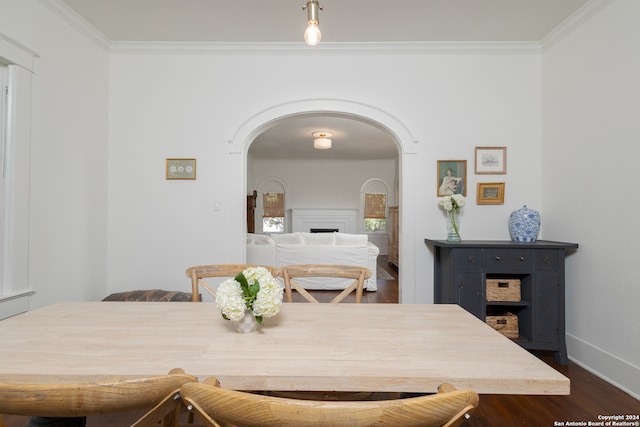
[342, 220]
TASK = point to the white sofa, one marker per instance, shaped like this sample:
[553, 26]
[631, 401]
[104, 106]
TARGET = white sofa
[279, 250]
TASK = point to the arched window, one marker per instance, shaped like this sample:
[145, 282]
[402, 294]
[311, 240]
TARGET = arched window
[374, 200]
[270, 206]
[273, 212]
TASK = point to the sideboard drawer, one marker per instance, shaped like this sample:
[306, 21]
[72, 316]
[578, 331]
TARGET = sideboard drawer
[548, 259]
[509, 260]
[469, 259]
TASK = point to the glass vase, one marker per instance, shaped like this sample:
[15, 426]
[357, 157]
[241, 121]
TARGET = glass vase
[247, 324]
[453, 227]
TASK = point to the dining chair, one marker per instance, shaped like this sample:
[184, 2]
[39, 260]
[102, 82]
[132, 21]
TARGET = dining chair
[216, 406]
[95, 397]
[200, 272]
[291, 273]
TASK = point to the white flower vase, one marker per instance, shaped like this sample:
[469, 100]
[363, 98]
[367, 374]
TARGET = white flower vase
[453, 227]
[247, 324]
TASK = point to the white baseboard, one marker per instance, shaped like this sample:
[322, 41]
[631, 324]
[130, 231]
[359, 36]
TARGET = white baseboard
[12, 305]
[605, 365]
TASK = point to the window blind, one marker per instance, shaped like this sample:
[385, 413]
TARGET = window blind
[375, 205]
[273, 205]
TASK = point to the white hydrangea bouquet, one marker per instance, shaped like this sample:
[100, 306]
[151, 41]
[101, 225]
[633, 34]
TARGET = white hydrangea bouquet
[452, 205]
[255, 290]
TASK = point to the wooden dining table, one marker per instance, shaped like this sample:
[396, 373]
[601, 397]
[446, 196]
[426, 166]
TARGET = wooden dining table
[314, 347]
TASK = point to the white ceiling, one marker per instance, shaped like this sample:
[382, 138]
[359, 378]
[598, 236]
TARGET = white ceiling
[353, 139]
[341, 21]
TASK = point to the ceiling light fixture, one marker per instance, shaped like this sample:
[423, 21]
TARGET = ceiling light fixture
[322, 140]
[312, 33]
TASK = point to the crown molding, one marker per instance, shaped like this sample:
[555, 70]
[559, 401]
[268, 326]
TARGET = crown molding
[575, 21]
[402, 48]
[583, 15]
[73, 19]
[77, 22]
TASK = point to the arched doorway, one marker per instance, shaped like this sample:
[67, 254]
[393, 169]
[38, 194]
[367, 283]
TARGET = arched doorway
[405, 143]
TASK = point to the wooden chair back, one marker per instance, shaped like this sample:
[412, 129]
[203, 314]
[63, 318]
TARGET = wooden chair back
[292, 272]
[89, 398]
[216, 406]
[200, 272]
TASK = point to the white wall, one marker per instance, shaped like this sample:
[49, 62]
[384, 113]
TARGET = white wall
[190, 105]
[324, 185]
[591, 152]
[67, 189]
[16, 20]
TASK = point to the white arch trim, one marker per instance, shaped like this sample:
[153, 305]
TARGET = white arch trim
[265, 181]
[372, 180]
[242, 138]
[259, 122]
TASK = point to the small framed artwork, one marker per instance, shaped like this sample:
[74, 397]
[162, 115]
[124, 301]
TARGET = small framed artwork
[181, 168]
[452, 177]
[491, 160]
[490, 193]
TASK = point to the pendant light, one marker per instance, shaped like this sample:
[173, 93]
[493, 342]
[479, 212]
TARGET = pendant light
[312, 34]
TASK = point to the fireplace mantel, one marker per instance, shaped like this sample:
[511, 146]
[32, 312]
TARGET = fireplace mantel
[304, 219]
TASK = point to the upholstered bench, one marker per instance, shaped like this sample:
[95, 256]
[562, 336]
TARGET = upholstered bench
[150, 295]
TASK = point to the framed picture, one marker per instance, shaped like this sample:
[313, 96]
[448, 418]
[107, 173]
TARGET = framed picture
[181, 168]
[490, 193]
[452, 177]
[491, 160]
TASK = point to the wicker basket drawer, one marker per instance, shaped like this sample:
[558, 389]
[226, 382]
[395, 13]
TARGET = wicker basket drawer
[503, 290]
[506, 324]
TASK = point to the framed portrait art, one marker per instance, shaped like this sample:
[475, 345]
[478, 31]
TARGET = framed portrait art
[452, 177]
[491, 160]
[181, 169]
[490, 193]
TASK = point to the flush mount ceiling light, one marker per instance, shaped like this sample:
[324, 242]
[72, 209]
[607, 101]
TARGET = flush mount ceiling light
[322, 140]
[312, 34]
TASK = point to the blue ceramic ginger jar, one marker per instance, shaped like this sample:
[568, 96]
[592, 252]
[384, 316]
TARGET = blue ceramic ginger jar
[524, 224]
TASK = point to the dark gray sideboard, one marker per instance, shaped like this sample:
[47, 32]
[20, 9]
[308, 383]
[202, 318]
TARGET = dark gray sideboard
[462, 268]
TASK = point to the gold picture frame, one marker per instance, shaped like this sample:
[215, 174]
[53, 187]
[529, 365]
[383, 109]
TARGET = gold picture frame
[181, 169]
[491, 160]
[490, 193]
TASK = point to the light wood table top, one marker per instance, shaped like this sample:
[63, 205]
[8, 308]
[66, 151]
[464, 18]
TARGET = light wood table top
[328, 347]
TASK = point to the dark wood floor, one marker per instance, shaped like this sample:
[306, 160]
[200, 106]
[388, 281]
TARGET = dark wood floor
[590, 396]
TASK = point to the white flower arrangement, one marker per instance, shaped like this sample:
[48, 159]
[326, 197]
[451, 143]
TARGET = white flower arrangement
[452, 205]
[254, 289]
